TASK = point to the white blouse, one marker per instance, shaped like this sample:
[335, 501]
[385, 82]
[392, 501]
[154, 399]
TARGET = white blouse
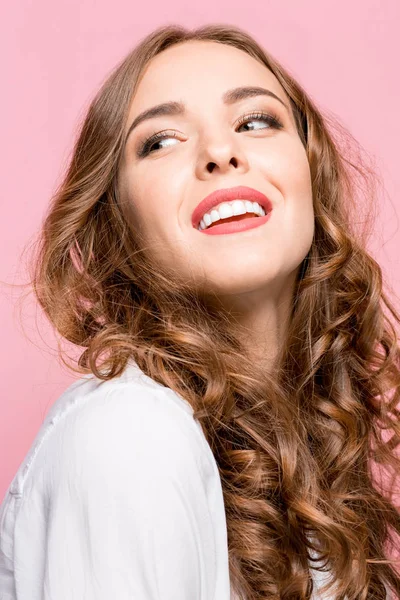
[118, 497]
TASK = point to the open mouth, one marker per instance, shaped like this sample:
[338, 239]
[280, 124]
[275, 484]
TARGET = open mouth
[229, 205]
[233, 219]
[236, 224]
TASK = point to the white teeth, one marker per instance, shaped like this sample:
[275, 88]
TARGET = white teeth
[225, 211]
[214, 215]
[258, 208]
[238, 207]
[207, 219]
[230, 209]
[249, 205]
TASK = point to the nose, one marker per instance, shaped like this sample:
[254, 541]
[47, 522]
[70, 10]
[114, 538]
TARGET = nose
[220, 154]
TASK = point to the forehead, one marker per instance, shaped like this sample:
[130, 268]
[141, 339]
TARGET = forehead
[200, 70]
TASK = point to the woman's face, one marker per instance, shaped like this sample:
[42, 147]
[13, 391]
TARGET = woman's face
[206, 149]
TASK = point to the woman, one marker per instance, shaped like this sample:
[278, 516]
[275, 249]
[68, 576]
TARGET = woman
[230, 432]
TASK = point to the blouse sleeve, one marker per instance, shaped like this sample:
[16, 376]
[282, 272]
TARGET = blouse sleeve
[128, 515]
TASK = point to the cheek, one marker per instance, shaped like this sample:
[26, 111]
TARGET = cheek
[292, 178]
[298, 198]
[298, 171]
[293, 175]
[158, 192]
[146, 196]
[292, 166]
[284, 164]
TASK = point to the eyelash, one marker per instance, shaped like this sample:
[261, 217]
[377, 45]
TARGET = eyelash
[272, 118]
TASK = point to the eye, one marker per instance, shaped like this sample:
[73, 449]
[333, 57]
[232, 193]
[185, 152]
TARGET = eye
[146, 146]
[273, 121]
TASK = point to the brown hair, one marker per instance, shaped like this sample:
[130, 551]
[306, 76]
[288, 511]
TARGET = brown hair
[295, 450]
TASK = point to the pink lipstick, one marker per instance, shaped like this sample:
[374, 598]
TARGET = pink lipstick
[227, 195]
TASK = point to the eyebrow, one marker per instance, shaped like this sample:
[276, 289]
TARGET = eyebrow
[178, 108]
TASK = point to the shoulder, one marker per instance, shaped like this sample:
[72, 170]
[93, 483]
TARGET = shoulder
[128, 435]
[120, 491]
[129, 425]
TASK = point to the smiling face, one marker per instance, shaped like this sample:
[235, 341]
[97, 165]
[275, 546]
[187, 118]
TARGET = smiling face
[218, 142]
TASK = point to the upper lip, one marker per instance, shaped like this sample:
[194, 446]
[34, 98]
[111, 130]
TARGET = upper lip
[240, 192]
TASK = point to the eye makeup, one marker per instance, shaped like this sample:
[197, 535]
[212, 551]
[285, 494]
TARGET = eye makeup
[270, 117]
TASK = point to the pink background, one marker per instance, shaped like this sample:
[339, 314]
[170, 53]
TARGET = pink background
[55, 54]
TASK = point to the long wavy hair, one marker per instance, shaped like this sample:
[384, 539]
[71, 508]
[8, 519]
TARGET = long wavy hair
[306, 453]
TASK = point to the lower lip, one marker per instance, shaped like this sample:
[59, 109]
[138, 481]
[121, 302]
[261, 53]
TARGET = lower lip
[237, 226]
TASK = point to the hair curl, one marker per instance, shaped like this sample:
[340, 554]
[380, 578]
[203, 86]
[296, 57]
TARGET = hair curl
[298, 452]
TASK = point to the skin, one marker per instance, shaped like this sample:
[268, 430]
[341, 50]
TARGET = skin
[253, 272]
